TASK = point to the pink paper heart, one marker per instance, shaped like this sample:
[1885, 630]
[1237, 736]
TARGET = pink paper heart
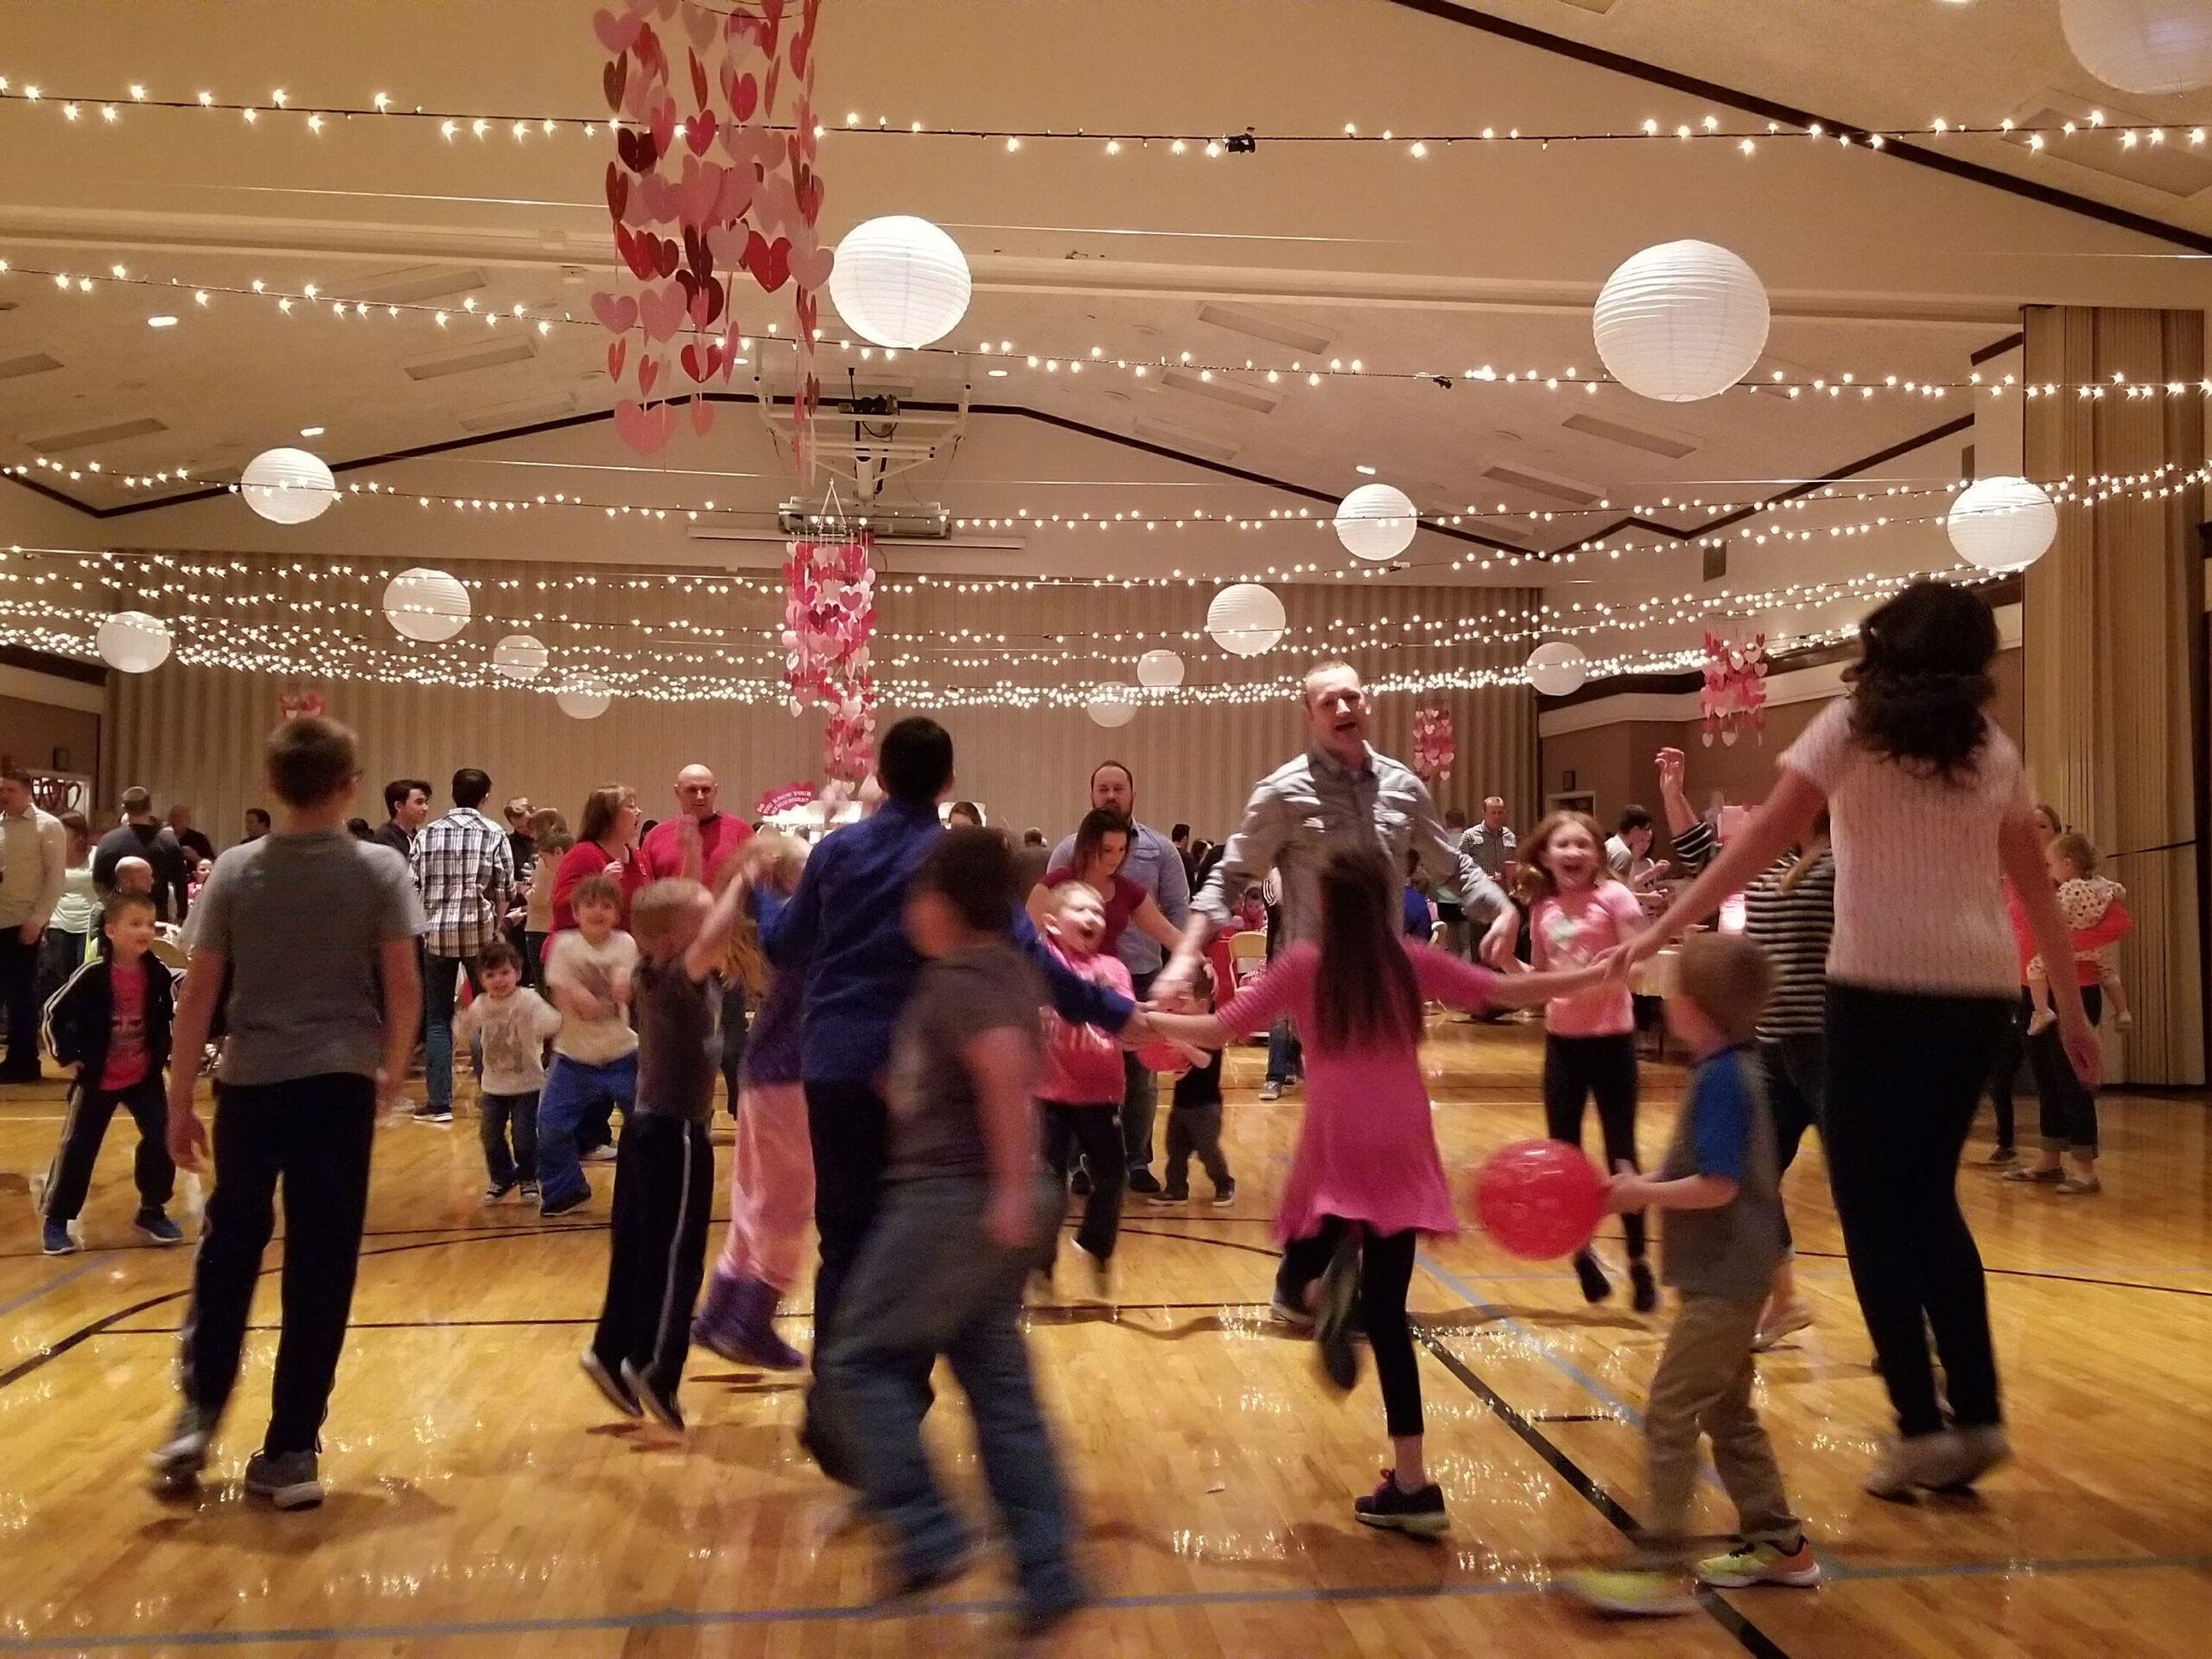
[698, 193]
[617, 313]
[615, 34]
[775, 206]
[662, 310]
[646, 430]
[662, 125]
[654, 200]
[734, 201]
[699, 24]
[810, 267]
[702, 416]
[648, 372]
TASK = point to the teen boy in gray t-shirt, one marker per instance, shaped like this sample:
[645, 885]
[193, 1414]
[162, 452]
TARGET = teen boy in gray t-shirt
[307, 940]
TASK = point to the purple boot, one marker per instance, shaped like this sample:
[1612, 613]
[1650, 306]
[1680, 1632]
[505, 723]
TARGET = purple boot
[738, 1324]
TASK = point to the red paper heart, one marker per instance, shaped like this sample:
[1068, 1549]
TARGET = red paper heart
[614, 33]
[617, 313]
[802, 44]
[701, 364]
[698, 259]
[663, 125]
[769, 261]
[648, 372]
[646, 430]
[636, 250]
[768, 92]
[617, 355]
[637, 149]
[702, 416]
[618, 192]
[810, 312]
[745, 97]
[810, 200]
[698, 79]
[699, 131]
[665, 254]
[650, 57]
[707, 301]
[612, 78]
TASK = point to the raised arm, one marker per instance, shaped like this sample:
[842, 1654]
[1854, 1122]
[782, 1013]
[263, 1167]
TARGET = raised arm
[1780, 823]
[712, 944]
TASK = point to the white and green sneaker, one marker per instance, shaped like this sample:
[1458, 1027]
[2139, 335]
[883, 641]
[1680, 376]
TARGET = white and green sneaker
[1761, 1564]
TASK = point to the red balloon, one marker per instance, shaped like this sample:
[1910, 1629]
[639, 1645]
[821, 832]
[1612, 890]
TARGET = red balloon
[1540, 1200]
[1160, 1055]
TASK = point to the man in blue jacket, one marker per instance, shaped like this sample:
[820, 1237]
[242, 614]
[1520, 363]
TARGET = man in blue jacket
[843, 930]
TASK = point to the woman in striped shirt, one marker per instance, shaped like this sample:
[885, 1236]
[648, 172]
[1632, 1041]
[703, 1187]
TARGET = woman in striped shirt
[1789, 911]
[1931, 812]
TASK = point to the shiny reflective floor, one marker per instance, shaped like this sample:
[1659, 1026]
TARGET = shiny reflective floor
[482, 1502]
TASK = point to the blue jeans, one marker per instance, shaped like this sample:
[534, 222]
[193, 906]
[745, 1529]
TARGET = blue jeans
[574, 1090]
[441, 978]
[1286, 1054]
[929, 1282]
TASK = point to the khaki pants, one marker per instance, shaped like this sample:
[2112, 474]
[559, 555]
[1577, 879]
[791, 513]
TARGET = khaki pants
[1704, 1385]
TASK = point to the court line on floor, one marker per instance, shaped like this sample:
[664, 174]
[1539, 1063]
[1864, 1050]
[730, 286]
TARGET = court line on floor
[2067, 1275]
[52, 1284]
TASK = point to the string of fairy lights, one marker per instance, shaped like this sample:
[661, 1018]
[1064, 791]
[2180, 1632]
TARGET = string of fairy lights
[279, 111]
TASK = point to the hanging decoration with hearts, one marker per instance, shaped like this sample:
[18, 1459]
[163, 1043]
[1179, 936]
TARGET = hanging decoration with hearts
[707, 195]
[300, 702]
[828, 621]
[1435, 748]
[1733, 697]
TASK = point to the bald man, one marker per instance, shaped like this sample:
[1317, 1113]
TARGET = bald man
[698, 797]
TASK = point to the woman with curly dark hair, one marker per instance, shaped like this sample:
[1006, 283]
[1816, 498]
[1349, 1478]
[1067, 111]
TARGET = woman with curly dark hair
[1930, 813]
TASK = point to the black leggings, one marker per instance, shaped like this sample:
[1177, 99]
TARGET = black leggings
[2004, 1075]
[1386, 1273]
[2069, 1111]
[1096, 1131]
[1904, 1075]
[1576, 1068]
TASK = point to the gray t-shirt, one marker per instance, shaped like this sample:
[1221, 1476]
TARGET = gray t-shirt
[300, 920]
[935, 1127]
[679, 1040]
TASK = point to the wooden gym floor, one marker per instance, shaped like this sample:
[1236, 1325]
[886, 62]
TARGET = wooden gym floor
[482, 1502]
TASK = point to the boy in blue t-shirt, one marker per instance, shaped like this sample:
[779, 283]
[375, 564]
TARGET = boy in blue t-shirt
[1722, 1242]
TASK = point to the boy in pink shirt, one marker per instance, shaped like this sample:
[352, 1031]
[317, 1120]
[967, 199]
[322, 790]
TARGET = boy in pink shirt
[1081, 1087]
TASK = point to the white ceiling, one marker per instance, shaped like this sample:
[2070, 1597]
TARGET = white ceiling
[1473, 256]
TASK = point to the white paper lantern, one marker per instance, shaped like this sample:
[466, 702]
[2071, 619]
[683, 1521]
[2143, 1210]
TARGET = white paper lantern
[1557, 668]
[899, 281]
[2151, 47]
[133, 642]
[2002, 523]
[1111, 705]
[1160, 670]
[1246, 619]
[1376, 521]
[425, 604]
[1681, 322]
[586, 700]
[518, 657]
[288, 486]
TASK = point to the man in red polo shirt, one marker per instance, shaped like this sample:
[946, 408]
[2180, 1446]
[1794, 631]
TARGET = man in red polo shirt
[698, 797]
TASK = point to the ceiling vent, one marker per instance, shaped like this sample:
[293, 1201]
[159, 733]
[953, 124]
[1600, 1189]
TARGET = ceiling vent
[14, 368]
[1559, 489]
[466, 359]
[2172, 167]
[417, 284]
[85, 437]
[532, 411]
[1636, 437]
[1504, 529]
[1232, 392]
[1297, 336]
[1174, 437]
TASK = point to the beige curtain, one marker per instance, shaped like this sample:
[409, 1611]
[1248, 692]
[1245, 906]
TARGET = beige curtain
[193, 734]
[2111, 616]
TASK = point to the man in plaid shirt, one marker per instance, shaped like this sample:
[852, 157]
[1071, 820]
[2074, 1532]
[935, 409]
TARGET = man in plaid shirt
[464, 866]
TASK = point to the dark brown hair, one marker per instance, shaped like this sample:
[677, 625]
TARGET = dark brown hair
[1091, 835]
[1922, 677]
[603, 810]
[498, 953]
[1364, 995]
[599, 889]
[973, 871]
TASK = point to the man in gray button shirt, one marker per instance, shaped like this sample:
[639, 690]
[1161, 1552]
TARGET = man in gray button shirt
[1154, 865]
[1339, 790]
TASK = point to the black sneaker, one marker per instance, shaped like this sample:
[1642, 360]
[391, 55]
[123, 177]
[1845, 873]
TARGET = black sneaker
[1391, 1506]
[1169, 1195]
[1595, 1286]
[290, 1480]
[611, 1382]
[1080, 1184]
[1333, 1317]
[550, 1207]
[1224, 1195]
[1646, 1293]
[659, 1403]
[1143, 1181]
[495, 1191]
[529, 1191]
[438, 1115]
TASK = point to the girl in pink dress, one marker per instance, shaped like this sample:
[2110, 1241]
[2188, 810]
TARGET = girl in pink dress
[1577, 912]
[1367, 1181]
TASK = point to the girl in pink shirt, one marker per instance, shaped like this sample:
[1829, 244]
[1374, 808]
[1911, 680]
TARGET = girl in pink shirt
[1366, 1181]
[1578, 913]
[1081, 1087]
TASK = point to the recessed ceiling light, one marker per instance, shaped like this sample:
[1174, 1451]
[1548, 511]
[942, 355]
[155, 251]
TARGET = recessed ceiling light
[1364, 472]
[998, 374]
[161, 323]
[310, 431]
